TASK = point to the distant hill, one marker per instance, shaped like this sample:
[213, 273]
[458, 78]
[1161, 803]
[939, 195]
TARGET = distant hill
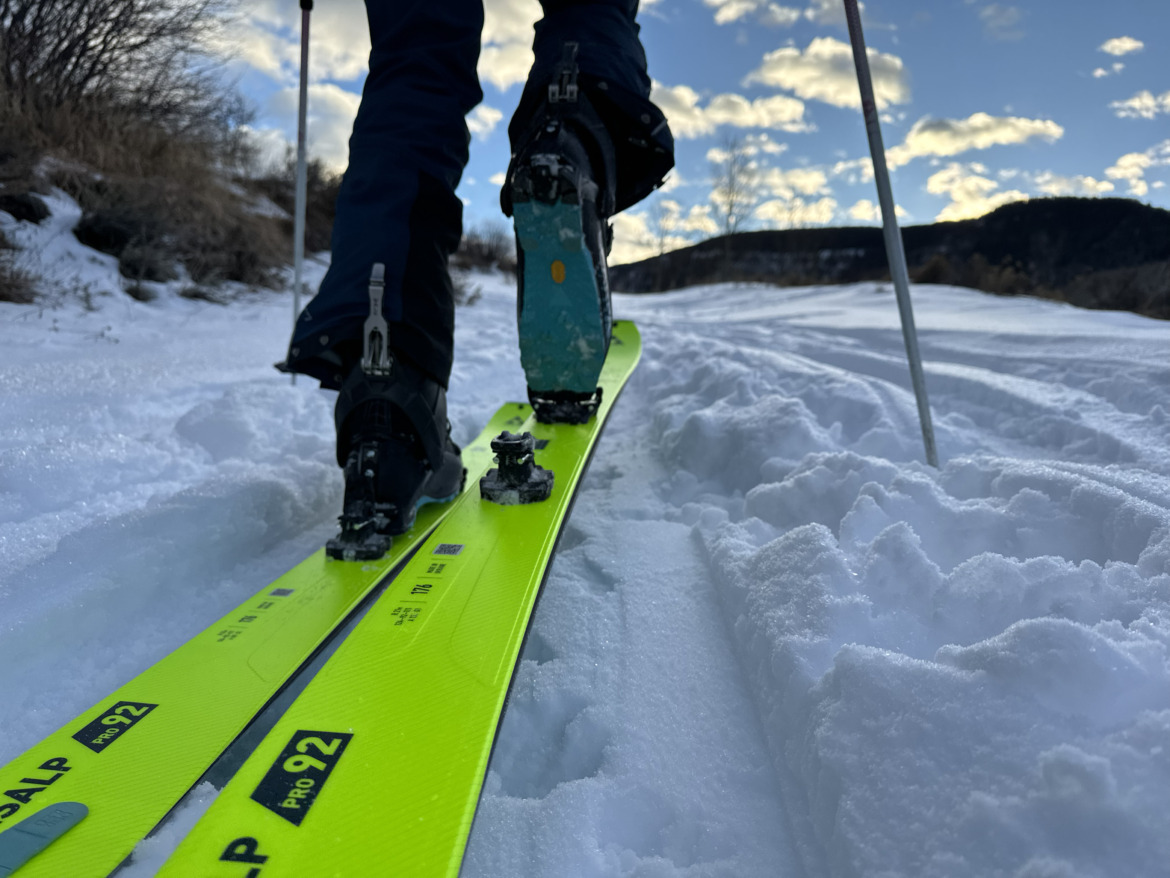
[1111, 253]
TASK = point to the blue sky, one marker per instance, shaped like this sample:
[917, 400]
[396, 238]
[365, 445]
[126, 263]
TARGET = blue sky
[982, 103]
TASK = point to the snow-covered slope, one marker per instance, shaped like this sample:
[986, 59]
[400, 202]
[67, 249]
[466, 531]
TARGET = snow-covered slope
[773, 642]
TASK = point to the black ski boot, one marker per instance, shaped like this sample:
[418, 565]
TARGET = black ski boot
[560, 193]
[394, 442]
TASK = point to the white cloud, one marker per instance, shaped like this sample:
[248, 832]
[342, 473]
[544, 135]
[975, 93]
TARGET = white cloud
[948, 137]
[506, 50]
[772, 14]
[1056, 184]
[763, 143]
[697, 220]
[271, 145]
[1132, 168]
[504, 66]
[267, 38]
[331, 113]
[854, 171]
[824, 71]
[482, 121]
[778, 112]
[766, 12]
[674, 180]
[867, 211]
[634, 239]
[828, 12]
[1143, 105]
[787, 184]
[775, 15]
[688, 119]
[1001, 22]
[498, 179]
[1115, 68]
[794, 213]
[1121, 46]
[752, 146]
[972, 194]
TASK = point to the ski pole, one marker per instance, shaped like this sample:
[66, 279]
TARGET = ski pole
[302, 173]
[893, 235]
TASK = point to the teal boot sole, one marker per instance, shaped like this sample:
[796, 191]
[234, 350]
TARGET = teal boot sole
[563, 340]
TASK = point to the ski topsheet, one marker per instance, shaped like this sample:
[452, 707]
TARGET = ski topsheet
[376, 769]
[132, 756]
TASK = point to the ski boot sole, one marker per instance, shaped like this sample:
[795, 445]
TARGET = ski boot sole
[563, 341]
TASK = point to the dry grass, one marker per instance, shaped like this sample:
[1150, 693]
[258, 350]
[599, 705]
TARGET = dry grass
[150, 198]
[16, 284]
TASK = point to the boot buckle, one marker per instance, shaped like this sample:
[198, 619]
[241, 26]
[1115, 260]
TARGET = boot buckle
[376, 359]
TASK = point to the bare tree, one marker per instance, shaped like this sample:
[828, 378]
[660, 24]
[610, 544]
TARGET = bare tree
[736, 180]
[151, 58]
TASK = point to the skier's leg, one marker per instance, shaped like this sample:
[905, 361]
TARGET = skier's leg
[397, 207]
[397, 203]
[586, 143]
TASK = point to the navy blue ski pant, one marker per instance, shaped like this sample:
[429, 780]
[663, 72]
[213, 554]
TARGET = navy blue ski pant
[397, 203]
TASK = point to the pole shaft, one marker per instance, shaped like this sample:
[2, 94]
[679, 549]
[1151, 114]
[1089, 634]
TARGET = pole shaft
[893, 235]
[302, 171]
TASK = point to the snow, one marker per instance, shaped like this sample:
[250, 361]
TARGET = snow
[773, 642]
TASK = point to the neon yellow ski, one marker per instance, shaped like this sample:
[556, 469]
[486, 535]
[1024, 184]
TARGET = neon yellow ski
[136, 753]
[377, 768]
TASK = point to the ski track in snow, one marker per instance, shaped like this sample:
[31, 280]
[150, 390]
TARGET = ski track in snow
[773, 642]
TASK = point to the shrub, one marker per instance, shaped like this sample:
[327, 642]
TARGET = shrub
[16, 284]
[279, 186]
[486, 246]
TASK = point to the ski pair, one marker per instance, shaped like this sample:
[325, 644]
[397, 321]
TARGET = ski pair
[427, 676]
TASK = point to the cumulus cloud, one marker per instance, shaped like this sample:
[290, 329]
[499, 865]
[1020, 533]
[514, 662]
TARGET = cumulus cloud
[765, 11]
[972, 193]
[696, 220]
[635, 238]
[752, 146]
[689, 119]
[1132, 168]
[483, 121]
[794, 213]
[267, 38]
[948, 137]
[506, 50]
[828, 12]
[824, 71]
[674, 180]
[1115, 68]
[867, 211]
[1121, 46]
[1056, 184]
[1143, 105]
[272, 146]
[854, 171]
[772, 14]
[331, 113]
[786, 185]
